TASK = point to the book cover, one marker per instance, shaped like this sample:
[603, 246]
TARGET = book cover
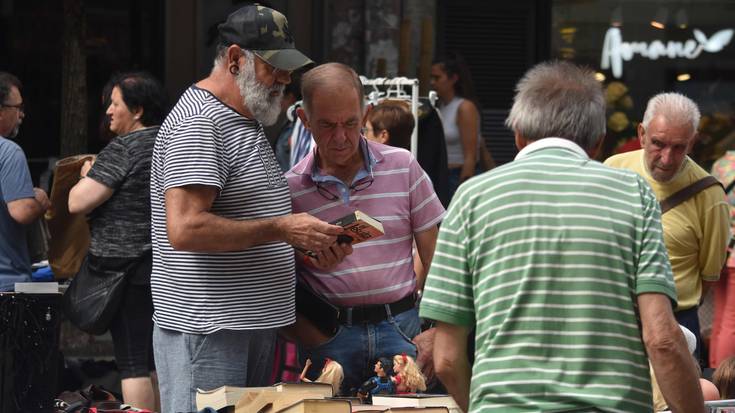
[359, 227]
[416, 400]
[227, 396]
[318, 406]
[220, 397]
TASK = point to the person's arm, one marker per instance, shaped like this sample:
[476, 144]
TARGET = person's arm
[87, 194]
[713, 248]
[26, 210]
[451, 363]
[467, 122]
[191, 227]
[667, 350]
[425, 243]
[425, 353]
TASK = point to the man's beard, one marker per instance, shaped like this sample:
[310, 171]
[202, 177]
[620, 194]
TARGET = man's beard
[257, 96]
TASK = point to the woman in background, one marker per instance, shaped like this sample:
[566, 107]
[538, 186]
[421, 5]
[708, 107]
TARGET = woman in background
[451, 79]
[114, 191]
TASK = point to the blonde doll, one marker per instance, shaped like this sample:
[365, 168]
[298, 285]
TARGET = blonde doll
[408, 377]
[332, 373]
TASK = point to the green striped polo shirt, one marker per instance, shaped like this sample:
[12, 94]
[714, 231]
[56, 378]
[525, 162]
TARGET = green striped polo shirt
[546, 255]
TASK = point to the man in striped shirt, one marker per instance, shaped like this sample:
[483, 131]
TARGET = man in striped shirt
[223, 272]
[555, 258]
[375, 286]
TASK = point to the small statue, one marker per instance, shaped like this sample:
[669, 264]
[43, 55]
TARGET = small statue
[408, 377]
[332, 373]
[381, 383]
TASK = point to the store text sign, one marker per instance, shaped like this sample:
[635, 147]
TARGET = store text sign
[615, 50]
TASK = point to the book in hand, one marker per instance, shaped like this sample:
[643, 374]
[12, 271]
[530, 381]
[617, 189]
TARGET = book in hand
[359, 227]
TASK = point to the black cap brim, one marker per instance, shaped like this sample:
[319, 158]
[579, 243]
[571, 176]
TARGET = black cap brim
[284, 59]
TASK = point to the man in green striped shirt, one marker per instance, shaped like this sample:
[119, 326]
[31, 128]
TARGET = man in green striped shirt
[559, 263]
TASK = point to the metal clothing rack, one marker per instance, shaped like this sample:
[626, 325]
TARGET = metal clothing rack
[395, 89]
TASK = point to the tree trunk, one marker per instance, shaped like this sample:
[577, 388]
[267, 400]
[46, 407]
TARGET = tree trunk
[74, 80]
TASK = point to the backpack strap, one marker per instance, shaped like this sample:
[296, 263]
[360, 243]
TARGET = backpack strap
[688, 192]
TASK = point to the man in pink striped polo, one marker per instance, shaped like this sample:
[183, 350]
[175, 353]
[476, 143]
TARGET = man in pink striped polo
[360, 300]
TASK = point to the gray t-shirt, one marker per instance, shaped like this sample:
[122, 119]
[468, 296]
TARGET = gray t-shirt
[121, 227]
[15, 183]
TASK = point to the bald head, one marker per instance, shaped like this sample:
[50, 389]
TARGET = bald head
[331, 77]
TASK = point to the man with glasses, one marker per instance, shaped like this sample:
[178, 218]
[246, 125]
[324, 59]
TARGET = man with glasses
[223, 270]
[374, 287]
[23, 203]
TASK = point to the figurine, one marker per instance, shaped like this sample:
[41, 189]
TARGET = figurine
[381, 383]
[408, 377]
[332, 373]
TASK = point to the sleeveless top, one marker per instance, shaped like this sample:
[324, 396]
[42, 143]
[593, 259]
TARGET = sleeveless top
[449, 111]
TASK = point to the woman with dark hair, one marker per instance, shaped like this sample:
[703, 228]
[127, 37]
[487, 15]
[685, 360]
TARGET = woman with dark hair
[114, 191]
[450, 78]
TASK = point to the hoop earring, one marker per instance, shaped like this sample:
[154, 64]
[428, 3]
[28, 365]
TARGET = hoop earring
[234, 70]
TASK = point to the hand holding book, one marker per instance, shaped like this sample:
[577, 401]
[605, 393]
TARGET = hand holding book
[308, 233]
[328, 258]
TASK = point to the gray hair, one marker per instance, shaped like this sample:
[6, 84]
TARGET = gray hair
[220, 55]
[326, 76]
[7, 82]
[675, 107]
[559, 99]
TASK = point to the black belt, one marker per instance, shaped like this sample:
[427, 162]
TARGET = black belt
[372, 314]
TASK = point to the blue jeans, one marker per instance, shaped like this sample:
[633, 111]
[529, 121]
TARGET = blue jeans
[357, 346]
[185, 362]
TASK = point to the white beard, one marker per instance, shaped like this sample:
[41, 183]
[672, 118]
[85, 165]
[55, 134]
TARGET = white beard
[257, 96]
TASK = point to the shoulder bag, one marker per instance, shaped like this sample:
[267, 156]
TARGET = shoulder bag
[95, 293]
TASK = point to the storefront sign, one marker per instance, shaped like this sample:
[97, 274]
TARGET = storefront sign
[615, 50]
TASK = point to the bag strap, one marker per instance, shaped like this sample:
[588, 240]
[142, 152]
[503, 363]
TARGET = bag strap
[688, 192]
[730, 187]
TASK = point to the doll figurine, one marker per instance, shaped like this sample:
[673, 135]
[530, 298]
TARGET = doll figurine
[381, 383]
[332, 373]
[408, 377]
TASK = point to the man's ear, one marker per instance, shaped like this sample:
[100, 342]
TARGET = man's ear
[521, 142]
[383, 136]
[641, 133]
[233, 55]
[592, 152]
[301, 113]
[368, 108]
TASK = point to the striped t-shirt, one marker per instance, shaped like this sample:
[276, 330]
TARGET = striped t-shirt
[205, 142]
[546, 256]
[401, 197]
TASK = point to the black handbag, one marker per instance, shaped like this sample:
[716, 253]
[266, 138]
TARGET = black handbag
[95, 293]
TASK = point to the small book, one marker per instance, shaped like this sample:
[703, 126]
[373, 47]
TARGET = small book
[416, 400]
[220, 397]
[228, 396]
[50, 287]
[316, 388]
[359, 227]
[387, 409]
[318, 406]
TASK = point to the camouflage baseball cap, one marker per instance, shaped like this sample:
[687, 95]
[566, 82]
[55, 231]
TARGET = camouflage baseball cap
[265, 32]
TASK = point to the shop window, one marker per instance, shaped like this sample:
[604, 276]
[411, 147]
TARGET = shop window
[642, 48]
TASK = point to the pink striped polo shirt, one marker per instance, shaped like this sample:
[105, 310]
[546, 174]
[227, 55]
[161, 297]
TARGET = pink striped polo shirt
[401, 197]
